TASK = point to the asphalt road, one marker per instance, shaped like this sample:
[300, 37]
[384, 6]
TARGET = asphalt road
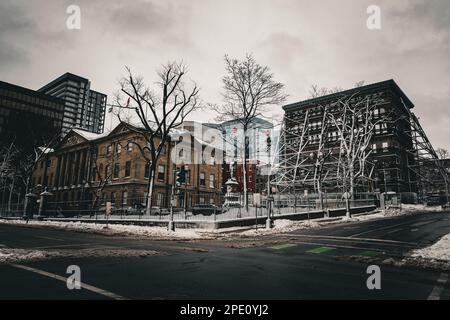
[305, 264]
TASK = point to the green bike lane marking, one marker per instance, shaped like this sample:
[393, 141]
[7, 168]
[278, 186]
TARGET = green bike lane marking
[283, 246]
[368, 254]
[321, 250]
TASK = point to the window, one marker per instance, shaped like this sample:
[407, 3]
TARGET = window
[161, 171]
[160, 200]
[127, 168]
[385, 145]
[147, 170]
[212, 181]
[124, 198]
[202, 178]
[116, 170]
[188, 176]
[130, 146]
[107, 171]
[374, 147]
[113, 197]
[118, 148]
[109, 150]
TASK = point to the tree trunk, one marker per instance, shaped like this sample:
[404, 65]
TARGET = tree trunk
[150, 189]
[351, 176]
[244, 170]
[319, 191]
[10, 194]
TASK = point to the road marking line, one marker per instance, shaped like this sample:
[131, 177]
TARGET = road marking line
[63, 246]
[49, 238]
[63, 279]
[418, 224]
[351, 238]
[321, 250]
[283, 246]
[383, 228]
[347, 247]
[393, 231]
[437, 290]
[414, 230]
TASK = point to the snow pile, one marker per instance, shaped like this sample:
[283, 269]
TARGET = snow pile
[440, 250]
[8, 255]
[411, 208]
[113, 229]
[284, 225]
[21, 255]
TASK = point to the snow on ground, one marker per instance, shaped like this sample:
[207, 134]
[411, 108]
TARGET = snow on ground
[280, 225]
[440, 250]
[283, 225]
[114, 229]
[13, 255]
[21, 255]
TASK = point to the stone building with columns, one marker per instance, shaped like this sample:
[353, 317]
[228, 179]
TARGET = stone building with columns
[110, 167]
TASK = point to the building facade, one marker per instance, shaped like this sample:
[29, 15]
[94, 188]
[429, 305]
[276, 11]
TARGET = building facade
[84, 107]
[27, 117]
[111, 167]
[28, 120]
[310, 145]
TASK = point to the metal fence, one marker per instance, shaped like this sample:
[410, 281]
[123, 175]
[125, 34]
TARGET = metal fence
[199, 207]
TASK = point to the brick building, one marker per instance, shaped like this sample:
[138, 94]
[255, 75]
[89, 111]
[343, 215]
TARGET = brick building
[111, 165]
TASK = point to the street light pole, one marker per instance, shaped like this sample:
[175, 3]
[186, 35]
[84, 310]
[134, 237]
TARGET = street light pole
[269, 169]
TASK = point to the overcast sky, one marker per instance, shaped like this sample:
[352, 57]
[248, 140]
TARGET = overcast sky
[303, 42]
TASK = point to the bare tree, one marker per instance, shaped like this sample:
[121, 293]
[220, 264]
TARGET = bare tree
[158, 114]
[102, 171]
[442, 153]
[248, 89]
[27, 162]
[355, 118]
[315, 91]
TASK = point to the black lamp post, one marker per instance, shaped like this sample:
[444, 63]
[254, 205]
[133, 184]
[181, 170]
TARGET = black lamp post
[269, 169]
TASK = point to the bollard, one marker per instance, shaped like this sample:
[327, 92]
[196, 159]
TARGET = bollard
[43, 204]
[30, 205]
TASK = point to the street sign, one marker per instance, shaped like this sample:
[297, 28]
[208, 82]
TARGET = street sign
[346, 195]
[257, 199]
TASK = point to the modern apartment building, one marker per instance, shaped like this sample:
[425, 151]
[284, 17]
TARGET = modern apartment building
[84, 107]
[28, 117]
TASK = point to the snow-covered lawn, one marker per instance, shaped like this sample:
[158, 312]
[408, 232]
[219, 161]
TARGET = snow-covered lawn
[440, 250]
[113, 229]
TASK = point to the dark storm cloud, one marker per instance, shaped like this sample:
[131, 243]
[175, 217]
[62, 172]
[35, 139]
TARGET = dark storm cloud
[14, 23]
[303, 42]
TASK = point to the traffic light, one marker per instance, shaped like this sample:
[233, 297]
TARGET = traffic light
[181, 176]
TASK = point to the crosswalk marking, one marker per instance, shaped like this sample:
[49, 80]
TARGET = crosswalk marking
[437, 290]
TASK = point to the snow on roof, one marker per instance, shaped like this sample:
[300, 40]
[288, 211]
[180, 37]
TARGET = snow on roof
[89, 135]
[46, 149]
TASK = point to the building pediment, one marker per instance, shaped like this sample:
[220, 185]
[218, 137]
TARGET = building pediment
[72, 139]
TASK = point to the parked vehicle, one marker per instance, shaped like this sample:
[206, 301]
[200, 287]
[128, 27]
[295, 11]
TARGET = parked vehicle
[205, 209]
[136, 209]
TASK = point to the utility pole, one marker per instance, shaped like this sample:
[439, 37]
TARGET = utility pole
[269, 169]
